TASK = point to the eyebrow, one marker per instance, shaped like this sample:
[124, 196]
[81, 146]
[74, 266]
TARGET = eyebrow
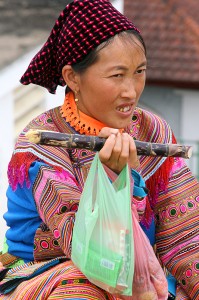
[144, 63]
[120, 67]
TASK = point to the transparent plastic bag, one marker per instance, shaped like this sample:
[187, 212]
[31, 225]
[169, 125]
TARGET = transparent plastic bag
[149, 281]
[102, 243]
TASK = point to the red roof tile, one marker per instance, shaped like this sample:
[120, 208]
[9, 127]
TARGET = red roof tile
[171, 32]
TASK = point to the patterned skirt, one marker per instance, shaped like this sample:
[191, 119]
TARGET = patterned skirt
[63, 281]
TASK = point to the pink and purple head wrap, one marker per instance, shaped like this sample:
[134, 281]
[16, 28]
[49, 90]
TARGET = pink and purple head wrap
[81, 27]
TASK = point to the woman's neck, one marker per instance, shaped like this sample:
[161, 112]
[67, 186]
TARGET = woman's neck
[81, 122]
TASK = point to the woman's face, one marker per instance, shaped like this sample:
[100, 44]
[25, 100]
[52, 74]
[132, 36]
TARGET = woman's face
[109, 89]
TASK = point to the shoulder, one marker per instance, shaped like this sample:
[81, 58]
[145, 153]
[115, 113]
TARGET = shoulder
[151, 127]
[45, 120]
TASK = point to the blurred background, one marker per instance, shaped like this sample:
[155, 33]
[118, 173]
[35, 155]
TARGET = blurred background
[171, 32]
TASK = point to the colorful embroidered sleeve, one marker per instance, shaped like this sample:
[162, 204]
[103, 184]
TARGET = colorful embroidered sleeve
[177, 230]
[57, 195]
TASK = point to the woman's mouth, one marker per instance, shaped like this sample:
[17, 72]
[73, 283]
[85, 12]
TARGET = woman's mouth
[126, 108]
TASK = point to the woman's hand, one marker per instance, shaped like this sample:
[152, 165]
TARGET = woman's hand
[118, 150]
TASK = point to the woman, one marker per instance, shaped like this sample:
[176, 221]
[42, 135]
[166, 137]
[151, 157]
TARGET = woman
[100, 55]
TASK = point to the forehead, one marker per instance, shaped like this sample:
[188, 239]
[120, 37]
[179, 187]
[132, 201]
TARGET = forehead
[122, 47]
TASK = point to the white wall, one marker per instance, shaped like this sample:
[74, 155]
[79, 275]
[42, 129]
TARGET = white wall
[190, 125]
[190, 115]
[118, 4]
[180, 108]
[6, 145]
[9, 79]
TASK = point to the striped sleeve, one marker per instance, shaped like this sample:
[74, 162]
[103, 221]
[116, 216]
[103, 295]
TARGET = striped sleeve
[57, 195]
[177, 230]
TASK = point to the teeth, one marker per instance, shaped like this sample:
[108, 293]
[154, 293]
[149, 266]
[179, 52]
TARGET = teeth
[124, 109]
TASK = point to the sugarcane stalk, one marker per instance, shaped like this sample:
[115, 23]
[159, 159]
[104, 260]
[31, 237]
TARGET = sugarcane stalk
[95, 143]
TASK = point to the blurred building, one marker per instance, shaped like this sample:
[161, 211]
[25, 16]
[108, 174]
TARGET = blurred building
[24, 27]
[171, 31]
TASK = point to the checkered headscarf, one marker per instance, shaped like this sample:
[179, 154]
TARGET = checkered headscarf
[81, 27]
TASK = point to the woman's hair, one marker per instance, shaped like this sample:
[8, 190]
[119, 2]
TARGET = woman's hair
[92, 57]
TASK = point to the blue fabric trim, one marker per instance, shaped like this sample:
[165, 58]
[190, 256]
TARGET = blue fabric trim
[22, 218]
[139, 189]
[150, 232]
[171, 284]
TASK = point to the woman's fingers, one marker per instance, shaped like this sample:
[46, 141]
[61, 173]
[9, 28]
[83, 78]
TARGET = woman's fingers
[106, 132]
[120, 153]
[128, 153]
[125, 150]
[118, 150]
[110, 153]
[106, 151]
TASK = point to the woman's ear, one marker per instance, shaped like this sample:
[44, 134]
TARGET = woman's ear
[70, 77]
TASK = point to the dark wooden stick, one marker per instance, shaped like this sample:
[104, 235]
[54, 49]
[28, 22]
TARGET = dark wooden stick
[95, 143]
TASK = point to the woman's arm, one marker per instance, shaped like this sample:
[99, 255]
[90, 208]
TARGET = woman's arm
[57, 194]
[177, 230]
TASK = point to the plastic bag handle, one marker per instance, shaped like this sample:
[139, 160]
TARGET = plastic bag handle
[96, 169]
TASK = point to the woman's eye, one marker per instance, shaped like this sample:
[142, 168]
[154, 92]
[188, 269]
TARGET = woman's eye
[140, 71]
[117, 75]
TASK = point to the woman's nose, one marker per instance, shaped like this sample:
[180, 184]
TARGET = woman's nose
[129, 90]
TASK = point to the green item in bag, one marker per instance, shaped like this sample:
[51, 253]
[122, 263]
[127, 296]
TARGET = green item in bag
[102, 243]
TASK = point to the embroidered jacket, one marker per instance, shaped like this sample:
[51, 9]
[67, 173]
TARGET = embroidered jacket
[173, 193]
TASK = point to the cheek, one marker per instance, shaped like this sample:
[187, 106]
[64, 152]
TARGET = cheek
[103, 92]
[140, 86]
